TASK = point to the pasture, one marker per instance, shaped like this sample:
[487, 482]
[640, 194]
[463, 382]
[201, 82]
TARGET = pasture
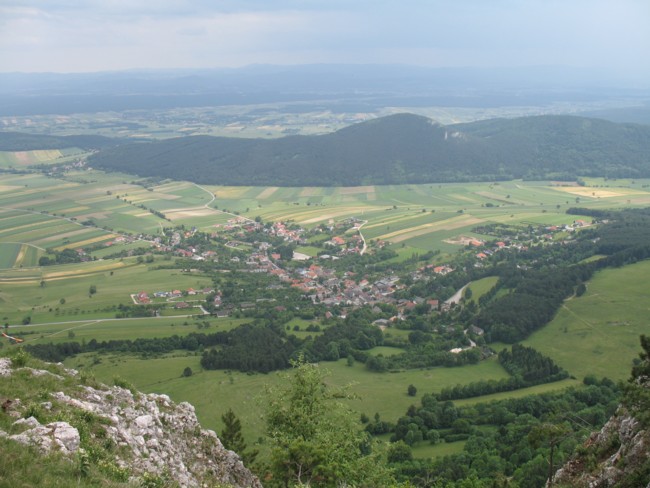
[121, 329]
[598, 333]
[213, 392]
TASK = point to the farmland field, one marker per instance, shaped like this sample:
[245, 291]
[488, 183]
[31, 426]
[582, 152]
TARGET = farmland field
[37, 292]
[47, 212]
[8, 254]
[26, 158]
[426, 217]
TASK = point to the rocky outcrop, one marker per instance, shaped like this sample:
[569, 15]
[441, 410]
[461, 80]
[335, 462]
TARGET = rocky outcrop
[153, 435]
[617, 455]
[60, 436]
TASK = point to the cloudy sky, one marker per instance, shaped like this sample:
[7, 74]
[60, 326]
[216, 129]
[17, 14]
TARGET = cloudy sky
[102, 35]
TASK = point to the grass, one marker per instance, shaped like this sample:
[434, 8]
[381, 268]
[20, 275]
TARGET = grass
[8, 254]
[598, 333]
[424, 450]
[21, 293]
[383, 393]
[481, 287]
[122, 329]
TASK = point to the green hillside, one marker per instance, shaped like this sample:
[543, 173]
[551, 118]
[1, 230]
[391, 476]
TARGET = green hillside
[401, 148]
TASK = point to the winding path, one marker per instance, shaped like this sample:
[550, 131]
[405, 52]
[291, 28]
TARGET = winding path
[363, 239]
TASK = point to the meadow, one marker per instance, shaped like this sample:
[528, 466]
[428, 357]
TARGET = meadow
[598, 333]
[214, 392]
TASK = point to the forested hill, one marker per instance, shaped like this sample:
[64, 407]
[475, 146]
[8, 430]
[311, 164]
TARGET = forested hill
[17, 141]
[400, 148]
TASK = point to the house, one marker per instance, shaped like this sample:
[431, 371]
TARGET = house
[142, 297]
[476, 330]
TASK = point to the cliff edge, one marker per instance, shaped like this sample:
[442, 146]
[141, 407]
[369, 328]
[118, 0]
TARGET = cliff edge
[130, 437]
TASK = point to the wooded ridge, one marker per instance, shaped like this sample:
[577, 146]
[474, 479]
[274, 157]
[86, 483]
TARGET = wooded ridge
[402, 148]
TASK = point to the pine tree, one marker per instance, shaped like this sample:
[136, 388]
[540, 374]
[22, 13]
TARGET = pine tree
[232, 438]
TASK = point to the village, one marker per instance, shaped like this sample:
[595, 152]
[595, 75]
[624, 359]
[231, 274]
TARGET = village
[245, 246]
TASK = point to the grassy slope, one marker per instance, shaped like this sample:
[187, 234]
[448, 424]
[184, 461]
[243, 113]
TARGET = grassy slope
[598, 333]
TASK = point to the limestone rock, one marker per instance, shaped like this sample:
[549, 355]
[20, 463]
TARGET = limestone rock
[5, 367]
[56, 435]
[620, 447]
[157, 436]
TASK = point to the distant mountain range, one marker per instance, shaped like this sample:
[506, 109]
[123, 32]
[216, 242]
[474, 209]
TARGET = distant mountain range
[354, 88]
[401, 148]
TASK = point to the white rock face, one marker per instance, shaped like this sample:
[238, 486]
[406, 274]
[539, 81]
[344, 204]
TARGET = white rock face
[5, 367]
[53, 436]
[162, 438]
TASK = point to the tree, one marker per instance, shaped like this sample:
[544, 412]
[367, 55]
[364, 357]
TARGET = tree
[551, 435]
[232, 438]
[316, 440]
[92, 290]
[412, 390]
[399, 452]
[636, 393]
[187, 372]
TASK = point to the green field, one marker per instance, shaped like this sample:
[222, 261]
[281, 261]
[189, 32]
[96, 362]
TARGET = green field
[426, 217]
[8, 254]
[46, 212]
[121, 329]
[213, 392]
[598, 333]
[37, 292]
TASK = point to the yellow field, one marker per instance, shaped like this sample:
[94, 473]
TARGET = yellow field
[87, 242]
[584, 191]
[25, 158]
[355, 190]
[195, 212]
[267, 192]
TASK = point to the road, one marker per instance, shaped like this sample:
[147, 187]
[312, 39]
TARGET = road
[363, 239]
[457, 296]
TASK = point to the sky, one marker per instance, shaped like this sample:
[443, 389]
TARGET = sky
[109, 35]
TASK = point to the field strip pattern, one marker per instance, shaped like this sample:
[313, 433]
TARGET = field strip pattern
[449, 224]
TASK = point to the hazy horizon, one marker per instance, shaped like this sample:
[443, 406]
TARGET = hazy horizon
[39, 36]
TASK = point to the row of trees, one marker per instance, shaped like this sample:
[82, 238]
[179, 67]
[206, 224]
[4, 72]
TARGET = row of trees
[526, 366]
